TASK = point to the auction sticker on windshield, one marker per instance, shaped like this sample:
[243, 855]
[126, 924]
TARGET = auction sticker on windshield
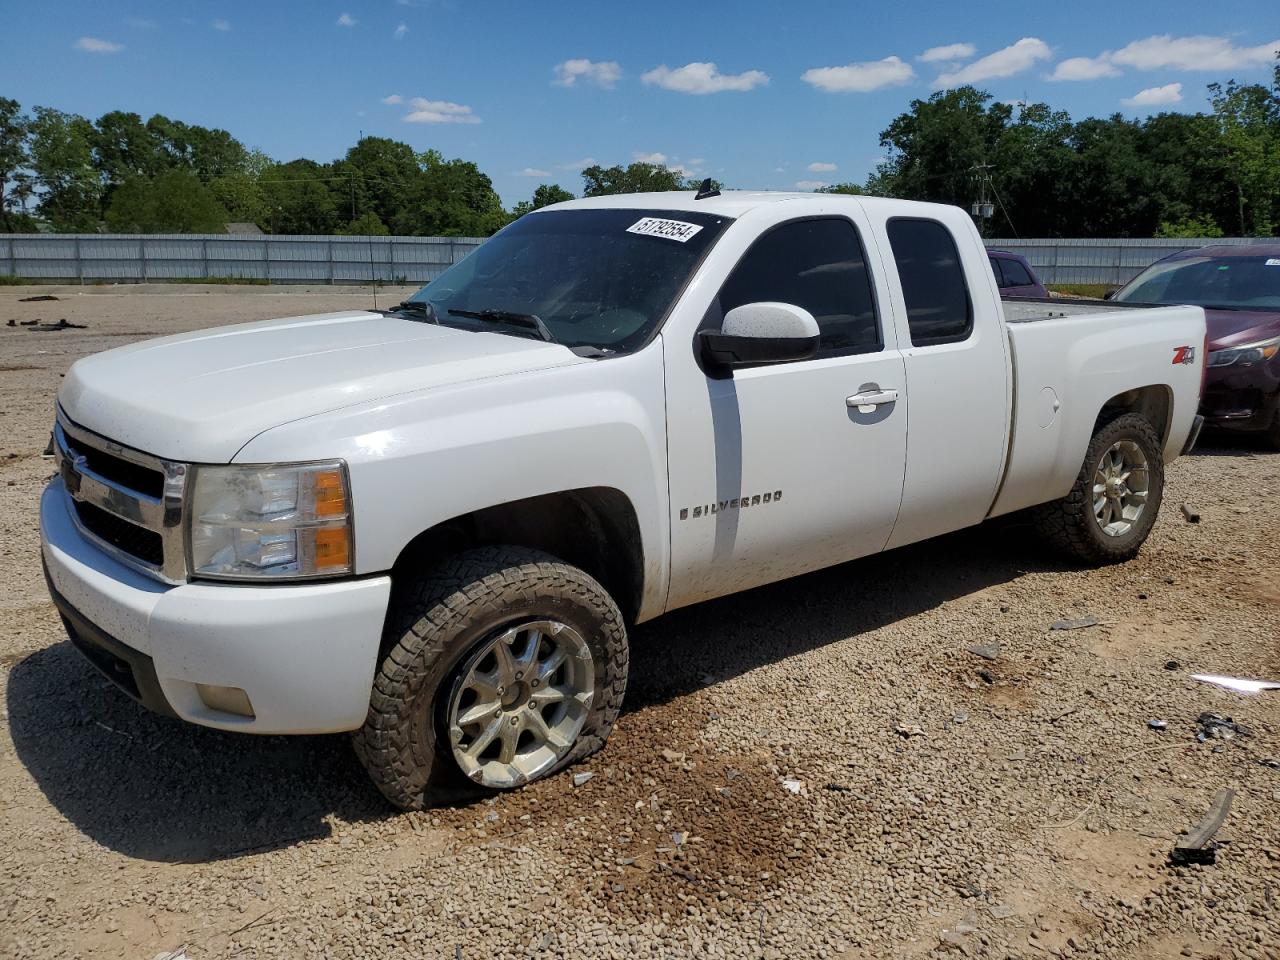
[667, 229]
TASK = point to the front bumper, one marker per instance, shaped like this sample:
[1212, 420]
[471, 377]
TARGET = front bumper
[304, 654]
[1242, 398]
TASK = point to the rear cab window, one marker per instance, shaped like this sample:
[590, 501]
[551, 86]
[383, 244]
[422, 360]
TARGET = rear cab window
[1015, 274]
[939, 308]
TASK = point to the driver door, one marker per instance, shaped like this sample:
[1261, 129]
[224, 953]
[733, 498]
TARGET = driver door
[774, 470]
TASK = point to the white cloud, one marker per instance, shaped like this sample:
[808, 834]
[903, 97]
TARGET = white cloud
[811, 184]
[400, 30]
[860, 77]
[699, 78]
[346, 20]
[223, 25]
[392, 100]
[1192, 53]
[578, 164]
[1084, 68]
[94, 45]
[604, 73]
[1003, 63]
[1155, 96]
[532, 172]
[779, 169]
[439, 111]
[658, 158]
[819, 167]
[949, 53]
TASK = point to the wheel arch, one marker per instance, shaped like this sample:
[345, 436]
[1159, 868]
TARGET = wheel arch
[595, 529]
[1154, 402]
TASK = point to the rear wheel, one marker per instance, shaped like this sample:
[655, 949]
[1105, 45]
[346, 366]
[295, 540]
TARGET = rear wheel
[1113, 504]
[505, 665]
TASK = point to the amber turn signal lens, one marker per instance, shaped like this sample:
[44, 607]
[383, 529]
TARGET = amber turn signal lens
[330, 496]
[333, 548]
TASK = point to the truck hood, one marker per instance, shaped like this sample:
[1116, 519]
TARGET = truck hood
[199, 397]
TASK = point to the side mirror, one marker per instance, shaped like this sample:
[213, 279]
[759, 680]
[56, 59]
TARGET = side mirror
[758, 333]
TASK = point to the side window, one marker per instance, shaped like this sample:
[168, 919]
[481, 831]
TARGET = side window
[938, 306]
[995, 268]
[817, 265]
[1015, 274]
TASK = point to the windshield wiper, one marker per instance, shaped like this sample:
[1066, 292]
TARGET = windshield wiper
[527, 321]
[421, 308]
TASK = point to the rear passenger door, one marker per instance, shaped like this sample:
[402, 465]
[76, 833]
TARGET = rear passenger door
[955, 355]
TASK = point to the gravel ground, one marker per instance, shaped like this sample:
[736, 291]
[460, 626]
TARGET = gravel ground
[1031, 815]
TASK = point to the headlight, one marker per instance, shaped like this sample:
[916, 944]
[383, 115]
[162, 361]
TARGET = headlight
[277, 521]
[1245, 354]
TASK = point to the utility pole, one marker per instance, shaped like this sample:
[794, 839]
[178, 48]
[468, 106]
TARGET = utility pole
[982, 209]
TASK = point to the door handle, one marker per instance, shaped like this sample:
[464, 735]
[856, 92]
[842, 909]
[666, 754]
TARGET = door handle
[867, 400]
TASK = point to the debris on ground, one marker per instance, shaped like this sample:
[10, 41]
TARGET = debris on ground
[1001, 911]
[1237, 684]
[791, 785]
[1197, 846]
[1158, 724]
[1172, 665]
[960, 717]
[1078, 624]
[38, 298]
[63, 324]
[908, 730]
[1271, 762]
[1191, 513]
[987, 651]
[580, 778]
[1214, 726]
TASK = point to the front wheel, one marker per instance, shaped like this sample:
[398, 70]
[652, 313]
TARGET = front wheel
[1112, 506]
[505, 666]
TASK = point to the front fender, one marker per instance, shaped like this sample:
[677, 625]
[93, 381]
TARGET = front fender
[420, 459]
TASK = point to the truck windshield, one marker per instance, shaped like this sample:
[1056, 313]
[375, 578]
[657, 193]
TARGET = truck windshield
[595, 278]
[1231, 283]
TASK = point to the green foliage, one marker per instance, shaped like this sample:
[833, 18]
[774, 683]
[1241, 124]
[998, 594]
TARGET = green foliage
[61, 158]
[851, 189]
[298, 198]
[173, 202]
[601, 181]
[450, 198]
[1189, 227]
[545, 195]
[15, 185]
[366, 225]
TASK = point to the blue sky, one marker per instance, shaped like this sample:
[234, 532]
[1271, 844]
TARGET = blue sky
[760, 95]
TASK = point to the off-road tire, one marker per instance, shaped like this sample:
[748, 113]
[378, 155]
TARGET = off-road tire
[1069, 524]
[433, 625]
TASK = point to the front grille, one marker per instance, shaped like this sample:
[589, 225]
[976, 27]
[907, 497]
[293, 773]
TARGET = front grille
[146, 545]
[121, 471]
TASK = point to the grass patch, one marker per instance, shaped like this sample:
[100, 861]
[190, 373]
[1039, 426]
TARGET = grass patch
[1093, 290]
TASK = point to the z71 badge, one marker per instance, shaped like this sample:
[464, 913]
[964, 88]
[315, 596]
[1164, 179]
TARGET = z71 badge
[1185, 355]
[737, 503]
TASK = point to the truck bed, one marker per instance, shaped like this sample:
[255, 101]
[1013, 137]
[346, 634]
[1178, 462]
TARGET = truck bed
[1029, 310]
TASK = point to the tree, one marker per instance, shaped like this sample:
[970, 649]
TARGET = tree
[377, 175]
[298, 198]
[1248, 119]
[450, 198]
[15, 183]
[61, 147]
[208, 153]
[366, 225]
[848, 188]
[545, 195]
[1193, 227]
[601, 181]
[173, 202]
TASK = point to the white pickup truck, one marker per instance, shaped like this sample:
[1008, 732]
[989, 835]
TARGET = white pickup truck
[432, 525]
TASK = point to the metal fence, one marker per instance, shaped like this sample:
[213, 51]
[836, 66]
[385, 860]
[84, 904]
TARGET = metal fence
[138, 258]
[1110, 262]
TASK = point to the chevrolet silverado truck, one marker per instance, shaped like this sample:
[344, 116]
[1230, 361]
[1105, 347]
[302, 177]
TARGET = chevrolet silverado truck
[432, 525]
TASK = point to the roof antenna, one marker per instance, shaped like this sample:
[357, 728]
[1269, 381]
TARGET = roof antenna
[706, 191]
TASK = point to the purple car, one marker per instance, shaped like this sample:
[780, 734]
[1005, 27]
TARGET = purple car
[1014, 276]
[1239, 288]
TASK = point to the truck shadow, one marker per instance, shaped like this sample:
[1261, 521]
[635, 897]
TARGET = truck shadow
[159, 789]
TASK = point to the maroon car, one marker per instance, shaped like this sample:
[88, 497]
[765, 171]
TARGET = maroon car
[1239, 288]
[1014, 275]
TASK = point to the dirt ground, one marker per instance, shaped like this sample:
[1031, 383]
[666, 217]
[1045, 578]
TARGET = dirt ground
[1031, 815]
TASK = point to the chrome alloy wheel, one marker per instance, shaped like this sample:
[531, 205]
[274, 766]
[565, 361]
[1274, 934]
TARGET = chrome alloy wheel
[1120, 485]
[519, 703]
